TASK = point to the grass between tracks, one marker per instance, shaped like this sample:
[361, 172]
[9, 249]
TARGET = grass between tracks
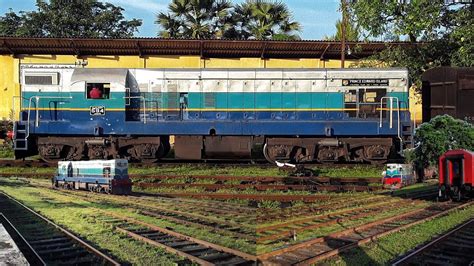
[78, 216]
[203, 169]
[388, 248]
[72, 214]
[339, 226]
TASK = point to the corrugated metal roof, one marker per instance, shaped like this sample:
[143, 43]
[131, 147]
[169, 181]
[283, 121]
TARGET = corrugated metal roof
[202, 47]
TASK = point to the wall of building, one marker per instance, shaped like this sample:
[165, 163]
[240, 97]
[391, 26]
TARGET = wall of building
[9, 85]
[10, 68]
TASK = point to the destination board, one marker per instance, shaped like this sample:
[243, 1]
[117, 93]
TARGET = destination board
[365, 82]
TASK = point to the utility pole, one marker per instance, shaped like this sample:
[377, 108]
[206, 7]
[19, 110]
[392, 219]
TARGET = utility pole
[343, 32]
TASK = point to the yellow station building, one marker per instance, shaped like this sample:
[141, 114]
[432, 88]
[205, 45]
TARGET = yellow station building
[171, 53]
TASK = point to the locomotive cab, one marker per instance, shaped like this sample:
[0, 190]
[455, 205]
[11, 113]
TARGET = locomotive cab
[456, 174]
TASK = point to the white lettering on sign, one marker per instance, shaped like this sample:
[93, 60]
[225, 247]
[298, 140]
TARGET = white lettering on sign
[97, 110]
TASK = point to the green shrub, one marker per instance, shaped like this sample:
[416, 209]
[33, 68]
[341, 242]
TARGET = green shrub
[441, 134]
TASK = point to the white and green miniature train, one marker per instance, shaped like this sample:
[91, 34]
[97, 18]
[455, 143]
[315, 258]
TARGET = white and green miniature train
[104, 176]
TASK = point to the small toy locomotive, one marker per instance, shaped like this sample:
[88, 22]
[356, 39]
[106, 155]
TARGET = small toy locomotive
[456, 174]
[398, 175]
[103, 176]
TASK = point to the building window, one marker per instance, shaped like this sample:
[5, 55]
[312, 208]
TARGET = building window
[98, 90]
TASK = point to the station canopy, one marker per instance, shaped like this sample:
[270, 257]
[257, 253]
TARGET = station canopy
[205, 48]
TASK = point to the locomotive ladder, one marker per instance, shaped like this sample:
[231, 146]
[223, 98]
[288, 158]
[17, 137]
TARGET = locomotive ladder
[22, 130]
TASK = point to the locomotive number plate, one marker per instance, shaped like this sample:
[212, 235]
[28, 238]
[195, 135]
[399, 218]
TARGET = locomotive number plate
[97, 110]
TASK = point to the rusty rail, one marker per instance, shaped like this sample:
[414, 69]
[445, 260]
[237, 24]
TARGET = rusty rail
[184, 239]
[262, 187]
[353, 237]
[460, 241]
[78, 241]
[256, 197]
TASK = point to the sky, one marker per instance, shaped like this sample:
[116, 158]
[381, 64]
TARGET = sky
[318, 17]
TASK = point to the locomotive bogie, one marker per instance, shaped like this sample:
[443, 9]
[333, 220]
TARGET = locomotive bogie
[96, 148]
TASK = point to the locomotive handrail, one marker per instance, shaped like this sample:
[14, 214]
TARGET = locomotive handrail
[38, 98]
[142, 99]
[391, 116]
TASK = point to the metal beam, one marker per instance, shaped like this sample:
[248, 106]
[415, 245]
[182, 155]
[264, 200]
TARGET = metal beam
[324, 52]
[4, 44]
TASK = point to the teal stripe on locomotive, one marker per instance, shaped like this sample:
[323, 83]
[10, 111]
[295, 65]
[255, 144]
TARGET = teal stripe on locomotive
[217, 100]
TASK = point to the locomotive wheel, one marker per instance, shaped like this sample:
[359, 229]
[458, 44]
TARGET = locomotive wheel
[265, 153]
[376, 154]
[147, 153]
[269, 153]
[50, 153]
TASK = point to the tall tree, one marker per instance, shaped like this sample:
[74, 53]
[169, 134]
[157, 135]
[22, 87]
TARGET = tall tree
[446, 30]
[260, 19]
[75, 18]
[195, 19]
[266, 19]
[352, 32]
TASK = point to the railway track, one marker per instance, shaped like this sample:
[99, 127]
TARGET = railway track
[455, 247]
[318, 249]
[262, 187]
[258, 183]
[253, 197]
[44, 242]
[193, 249]
[287, 230]
[175, 162]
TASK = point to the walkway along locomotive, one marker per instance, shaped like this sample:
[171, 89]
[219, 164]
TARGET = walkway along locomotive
[299, 115]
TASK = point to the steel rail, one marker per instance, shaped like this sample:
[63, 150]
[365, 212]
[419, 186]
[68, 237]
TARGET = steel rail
[323, 216]
[433, 242]
[260, 187]
[264, 178]
[182, 236]
[289, 232]
[412, 218]
[36, 258]
[66, 232]
[165, 247]
[357, 229]
[257, 197]
[166, 211]
[329, 254]
[218, 228]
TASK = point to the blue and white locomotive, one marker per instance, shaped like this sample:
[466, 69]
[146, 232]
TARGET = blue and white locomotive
[299, 115]
[103, 176]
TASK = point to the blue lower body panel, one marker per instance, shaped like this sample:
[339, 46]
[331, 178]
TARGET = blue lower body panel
[223, 123]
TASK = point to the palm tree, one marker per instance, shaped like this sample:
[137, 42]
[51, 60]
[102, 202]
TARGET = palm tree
[266, 19]
[171, 26]
[195, 19]
[352, 32]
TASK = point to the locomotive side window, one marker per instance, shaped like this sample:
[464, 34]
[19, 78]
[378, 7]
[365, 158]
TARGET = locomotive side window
[98, 90]
[350, 103]
[369, 101]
